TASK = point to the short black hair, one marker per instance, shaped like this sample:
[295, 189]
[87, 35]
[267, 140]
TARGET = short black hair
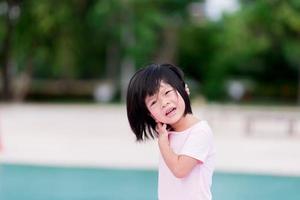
[146, 82]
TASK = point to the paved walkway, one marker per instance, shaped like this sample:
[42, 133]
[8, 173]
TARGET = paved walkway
[99, 136]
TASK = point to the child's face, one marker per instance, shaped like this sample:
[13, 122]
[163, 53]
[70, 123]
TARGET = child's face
[166, 106]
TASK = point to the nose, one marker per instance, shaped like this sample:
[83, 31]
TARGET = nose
[164, 102]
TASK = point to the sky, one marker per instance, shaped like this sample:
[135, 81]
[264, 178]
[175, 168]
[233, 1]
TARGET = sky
[215, 8]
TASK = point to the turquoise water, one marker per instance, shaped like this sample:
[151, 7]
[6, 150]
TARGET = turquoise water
[21, 182]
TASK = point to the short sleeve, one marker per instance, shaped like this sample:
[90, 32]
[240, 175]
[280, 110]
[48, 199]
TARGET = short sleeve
[198, 143]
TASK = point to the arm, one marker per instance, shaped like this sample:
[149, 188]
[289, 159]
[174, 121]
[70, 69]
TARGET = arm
[180, 165]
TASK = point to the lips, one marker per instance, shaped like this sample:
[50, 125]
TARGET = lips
[170, 111]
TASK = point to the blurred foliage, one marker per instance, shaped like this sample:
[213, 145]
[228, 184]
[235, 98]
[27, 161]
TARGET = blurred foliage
[260, 43]
[69, 39]
[86, 39]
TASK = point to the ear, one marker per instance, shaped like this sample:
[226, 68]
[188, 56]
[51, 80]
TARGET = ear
[187, 89]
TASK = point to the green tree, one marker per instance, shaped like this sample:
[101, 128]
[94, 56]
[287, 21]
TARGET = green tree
[259, 42]
[95, 39]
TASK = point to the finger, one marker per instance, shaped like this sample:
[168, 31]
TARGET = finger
[164, 126]
[158, 127]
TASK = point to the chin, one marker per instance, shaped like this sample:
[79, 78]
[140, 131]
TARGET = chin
[172, 122]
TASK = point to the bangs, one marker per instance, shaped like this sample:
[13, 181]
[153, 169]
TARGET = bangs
[154, 77]
[151, 86]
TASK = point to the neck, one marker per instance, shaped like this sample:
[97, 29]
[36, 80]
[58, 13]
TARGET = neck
[185, 122]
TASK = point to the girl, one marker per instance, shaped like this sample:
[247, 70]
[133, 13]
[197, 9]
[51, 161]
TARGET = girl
[158, 105]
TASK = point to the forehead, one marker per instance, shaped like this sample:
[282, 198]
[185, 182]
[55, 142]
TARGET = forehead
[164, 85]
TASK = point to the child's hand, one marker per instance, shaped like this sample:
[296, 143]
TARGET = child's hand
[162, 133]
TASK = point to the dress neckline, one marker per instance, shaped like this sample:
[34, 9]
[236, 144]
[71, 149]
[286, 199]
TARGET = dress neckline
[186, 130]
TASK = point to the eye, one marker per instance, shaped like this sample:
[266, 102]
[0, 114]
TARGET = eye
[152, 103]
[167, 92]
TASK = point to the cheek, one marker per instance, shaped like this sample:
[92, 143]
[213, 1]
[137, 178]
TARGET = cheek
[181, 102]
[151, 111]
[155, 114]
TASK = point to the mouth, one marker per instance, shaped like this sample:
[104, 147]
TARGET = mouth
[170, 111]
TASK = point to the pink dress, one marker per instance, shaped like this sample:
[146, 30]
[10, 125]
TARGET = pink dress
[196, 142]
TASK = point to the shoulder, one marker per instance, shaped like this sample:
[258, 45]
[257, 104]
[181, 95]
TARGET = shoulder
[201, 132]
[201, 127]
[199, 142]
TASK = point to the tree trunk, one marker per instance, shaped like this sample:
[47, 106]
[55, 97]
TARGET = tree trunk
[23, 82]
[5, 56]
[168, 49]
[112, 61]
[128, 41]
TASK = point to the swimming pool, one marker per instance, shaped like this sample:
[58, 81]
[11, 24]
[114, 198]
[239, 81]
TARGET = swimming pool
[66, 183]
